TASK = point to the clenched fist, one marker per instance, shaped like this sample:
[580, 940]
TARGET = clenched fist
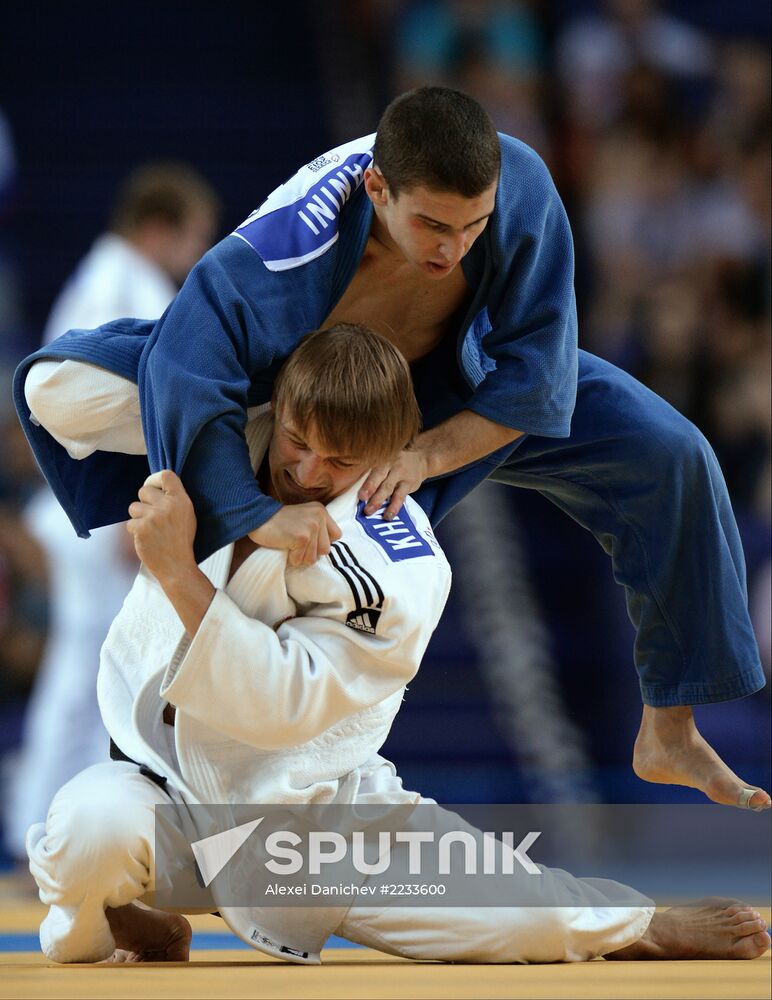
[163, 525]
[305, 530]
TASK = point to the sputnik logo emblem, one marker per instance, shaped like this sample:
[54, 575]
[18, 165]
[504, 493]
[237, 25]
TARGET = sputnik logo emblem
[213, 853]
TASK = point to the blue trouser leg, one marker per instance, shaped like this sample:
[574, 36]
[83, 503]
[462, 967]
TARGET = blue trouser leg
[646, 483]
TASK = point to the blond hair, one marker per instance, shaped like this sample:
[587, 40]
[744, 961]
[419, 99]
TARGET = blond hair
[354, 389]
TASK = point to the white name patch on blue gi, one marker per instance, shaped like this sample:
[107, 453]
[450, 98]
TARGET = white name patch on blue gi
[399, 538]
[300, 220]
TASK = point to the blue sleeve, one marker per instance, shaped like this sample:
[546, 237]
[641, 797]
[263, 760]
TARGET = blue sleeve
[96, 490]
[532, 307]
[216, 350]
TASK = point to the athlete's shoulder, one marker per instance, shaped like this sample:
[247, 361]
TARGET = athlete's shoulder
[523, 172]
[516, 153]
[526, 194]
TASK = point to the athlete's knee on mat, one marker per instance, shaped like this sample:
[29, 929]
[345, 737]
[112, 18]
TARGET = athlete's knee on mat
[77, 933]
[85, 841]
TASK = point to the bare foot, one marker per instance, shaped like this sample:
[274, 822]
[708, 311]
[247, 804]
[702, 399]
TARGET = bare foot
[710, 928]
[146, 935]
[669, 750]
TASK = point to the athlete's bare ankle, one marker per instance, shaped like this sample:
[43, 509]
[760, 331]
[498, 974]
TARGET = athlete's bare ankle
[674, 721]
[646, 947]
[663, 731]
[667, 715]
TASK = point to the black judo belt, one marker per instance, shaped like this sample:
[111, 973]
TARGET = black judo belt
[117, 754]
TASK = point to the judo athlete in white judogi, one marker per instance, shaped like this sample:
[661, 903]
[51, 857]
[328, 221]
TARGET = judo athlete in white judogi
[163, 219]
[249, 680]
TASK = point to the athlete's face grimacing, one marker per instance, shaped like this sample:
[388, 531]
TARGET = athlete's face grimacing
[303, 470]
[433, 230]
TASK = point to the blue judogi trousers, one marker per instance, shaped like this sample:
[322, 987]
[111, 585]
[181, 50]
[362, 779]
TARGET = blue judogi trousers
[646, 483]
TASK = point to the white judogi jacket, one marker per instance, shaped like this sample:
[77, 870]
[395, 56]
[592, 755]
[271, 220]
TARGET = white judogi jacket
[290, 686]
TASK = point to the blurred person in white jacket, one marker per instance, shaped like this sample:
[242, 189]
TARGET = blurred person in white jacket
[250, 679]
[163, 220]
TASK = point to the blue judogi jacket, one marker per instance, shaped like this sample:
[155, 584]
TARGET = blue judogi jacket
[247, 303]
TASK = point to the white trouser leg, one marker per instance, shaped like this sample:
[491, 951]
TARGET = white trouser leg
[606, 915]
[496, 934]
[85, 408]
[94, 850]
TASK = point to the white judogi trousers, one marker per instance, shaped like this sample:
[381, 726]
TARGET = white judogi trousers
[96, 850]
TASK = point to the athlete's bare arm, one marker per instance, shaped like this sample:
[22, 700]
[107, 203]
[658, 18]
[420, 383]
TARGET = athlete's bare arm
[450, 445]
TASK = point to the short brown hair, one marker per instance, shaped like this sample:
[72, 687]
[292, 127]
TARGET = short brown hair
[167, 191]
[354, 387]
[437, 138]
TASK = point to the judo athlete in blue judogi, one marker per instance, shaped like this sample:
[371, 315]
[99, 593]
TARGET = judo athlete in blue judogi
[451, 241]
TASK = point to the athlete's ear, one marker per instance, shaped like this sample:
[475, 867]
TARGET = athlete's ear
[376, 187]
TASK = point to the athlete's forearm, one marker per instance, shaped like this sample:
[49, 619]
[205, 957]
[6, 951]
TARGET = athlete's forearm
[163, 525]
[451, 445]
[462, 439]
[190, 593]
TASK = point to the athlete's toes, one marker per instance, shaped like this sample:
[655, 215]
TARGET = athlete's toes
[759, 943]
[753, 925]
[751, 945]
[754, 798]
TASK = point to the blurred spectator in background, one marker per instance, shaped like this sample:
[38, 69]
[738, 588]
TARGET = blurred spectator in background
[490, 49]
[163, 222]
[597, 50]
[164, 219]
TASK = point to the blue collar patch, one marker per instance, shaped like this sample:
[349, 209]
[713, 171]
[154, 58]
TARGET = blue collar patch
[399, 538]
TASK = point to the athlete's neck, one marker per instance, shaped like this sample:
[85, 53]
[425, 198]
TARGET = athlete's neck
[380, 234]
